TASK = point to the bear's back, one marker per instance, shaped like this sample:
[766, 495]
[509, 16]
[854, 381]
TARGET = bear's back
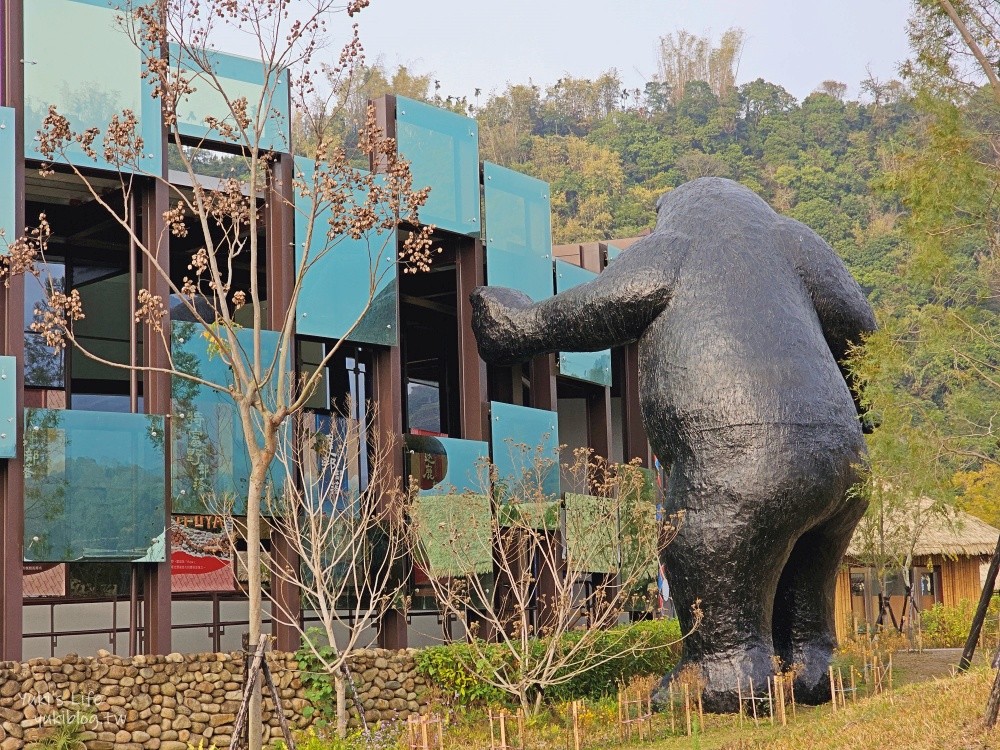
[740, 342]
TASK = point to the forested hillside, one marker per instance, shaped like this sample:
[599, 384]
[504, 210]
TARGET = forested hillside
[609, 152]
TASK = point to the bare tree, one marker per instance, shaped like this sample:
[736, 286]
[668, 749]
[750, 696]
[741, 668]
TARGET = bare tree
[347, 541]
[686, 57]
[333, 201]
[534, 581]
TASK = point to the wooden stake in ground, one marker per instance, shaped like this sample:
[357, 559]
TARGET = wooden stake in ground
[687, 707]
[840, 687]
[833, 689]
[739, 697]
[670, 693]
[984, 602]
[576, 725]
[753, 701]
[770, 700]
[854, 687]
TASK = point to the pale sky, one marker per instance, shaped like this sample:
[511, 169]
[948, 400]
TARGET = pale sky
[470, 44]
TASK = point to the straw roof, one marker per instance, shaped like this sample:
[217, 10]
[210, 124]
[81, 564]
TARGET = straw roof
[952, 534]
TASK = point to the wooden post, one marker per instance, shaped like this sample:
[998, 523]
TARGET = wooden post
[753, 701]
[791, 682]
[770, 700]
[576, 725]
[854, 687]
[739, 697]
[687, 708]
[833, 690]
[840, 687]
[493, 739]
[984, 602]
[503, 729]
[670, 694]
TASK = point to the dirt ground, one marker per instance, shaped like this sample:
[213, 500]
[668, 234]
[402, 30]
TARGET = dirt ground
[928, 664]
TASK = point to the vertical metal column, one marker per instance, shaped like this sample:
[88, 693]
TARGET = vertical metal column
[156, 400]
[388, 395]
[280, 213]
[473, 408]
[12, 308]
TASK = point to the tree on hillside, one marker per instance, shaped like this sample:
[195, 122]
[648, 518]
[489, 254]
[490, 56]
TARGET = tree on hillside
[685, 57]
[222, 219]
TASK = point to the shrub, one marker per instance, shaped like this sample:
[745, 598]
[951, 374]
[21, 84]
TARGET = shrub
[650, 647]
[948, 627]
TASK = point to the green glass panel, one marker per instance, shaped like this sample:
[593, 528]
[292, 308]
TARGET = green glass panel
[346, 274]
[78, 58]
[210, 466]
[525, 445]
[237, 77]
[591, 533]
[443, 150]
[444, 466]
[593, 367]
[455, 534]
[94, 486]
[518, 220]
[8, 230]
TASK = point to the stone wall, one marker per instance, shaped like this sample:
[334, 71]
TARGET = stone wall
[166, 702]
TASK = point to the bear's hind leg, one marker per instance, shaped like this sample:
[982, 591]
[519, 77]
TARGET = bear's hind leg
[803, 623]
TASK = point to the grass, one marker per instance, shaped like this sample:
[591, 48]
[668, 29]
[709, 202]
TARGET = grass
[943, 713]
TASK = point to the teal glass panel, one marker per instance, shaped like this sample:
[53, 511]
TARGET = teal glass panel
[346, 274]
[613, 251]
[591, 533]
[443, 150]
[8, 407]
[526, 273]
[525, 444]
[237, 77]
[78, 58]
[210, 463]
[94, 486]
[8, 231]
[445, 466]
[593, 367]
[518, 220]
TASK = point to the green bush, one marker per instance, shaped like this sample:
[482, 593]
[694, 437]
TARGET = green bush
[455, 668]
[948, 627]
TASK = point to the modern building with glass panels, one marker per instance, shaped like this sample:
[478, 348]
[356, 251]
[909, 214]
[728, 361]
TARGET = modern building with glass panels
[107, 539]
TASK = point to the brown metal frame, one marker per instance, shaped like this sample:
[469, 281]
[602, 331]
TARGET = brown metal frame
[281, 272]
[12, 306]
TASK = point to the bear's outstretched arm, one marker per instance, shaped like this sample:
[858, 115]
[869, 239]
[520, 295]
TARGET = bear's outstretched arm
[843, 309]
[613, 309]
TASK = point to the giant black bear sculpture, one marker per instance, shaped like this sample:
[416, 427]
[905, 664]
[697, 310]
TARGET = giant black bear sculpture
[742, 317]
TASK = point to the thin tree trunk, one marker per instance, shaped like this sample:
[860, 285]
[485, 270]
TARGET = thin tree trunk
[341, 688]
[974, 48]
[993, 705]
[256, 490]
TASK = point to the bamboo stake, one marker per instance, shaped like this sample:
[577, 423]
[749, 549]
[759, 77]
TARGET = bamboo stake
[423, 733]
[576, 725]
[739, 694]
[892, 700]
[833, 690]
[854, 687]
[520, 728]
[701, 710]
[780, 684]
[687, 707]
[791, 682]
[753, 701]
[840, 687]
[503, 729]
[440, 724]
[621, 719]
[770, 700]
[493, 739]
[670, 693]
[649, 713]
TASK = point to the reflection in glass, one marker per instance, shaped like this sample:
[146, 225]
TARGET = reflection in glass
[43, 366]
[525, 445]
[593, 367]
[518, 231]
[347, 274]
[94, 486]
[210, 462]
[60, 40]
[423, 405]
